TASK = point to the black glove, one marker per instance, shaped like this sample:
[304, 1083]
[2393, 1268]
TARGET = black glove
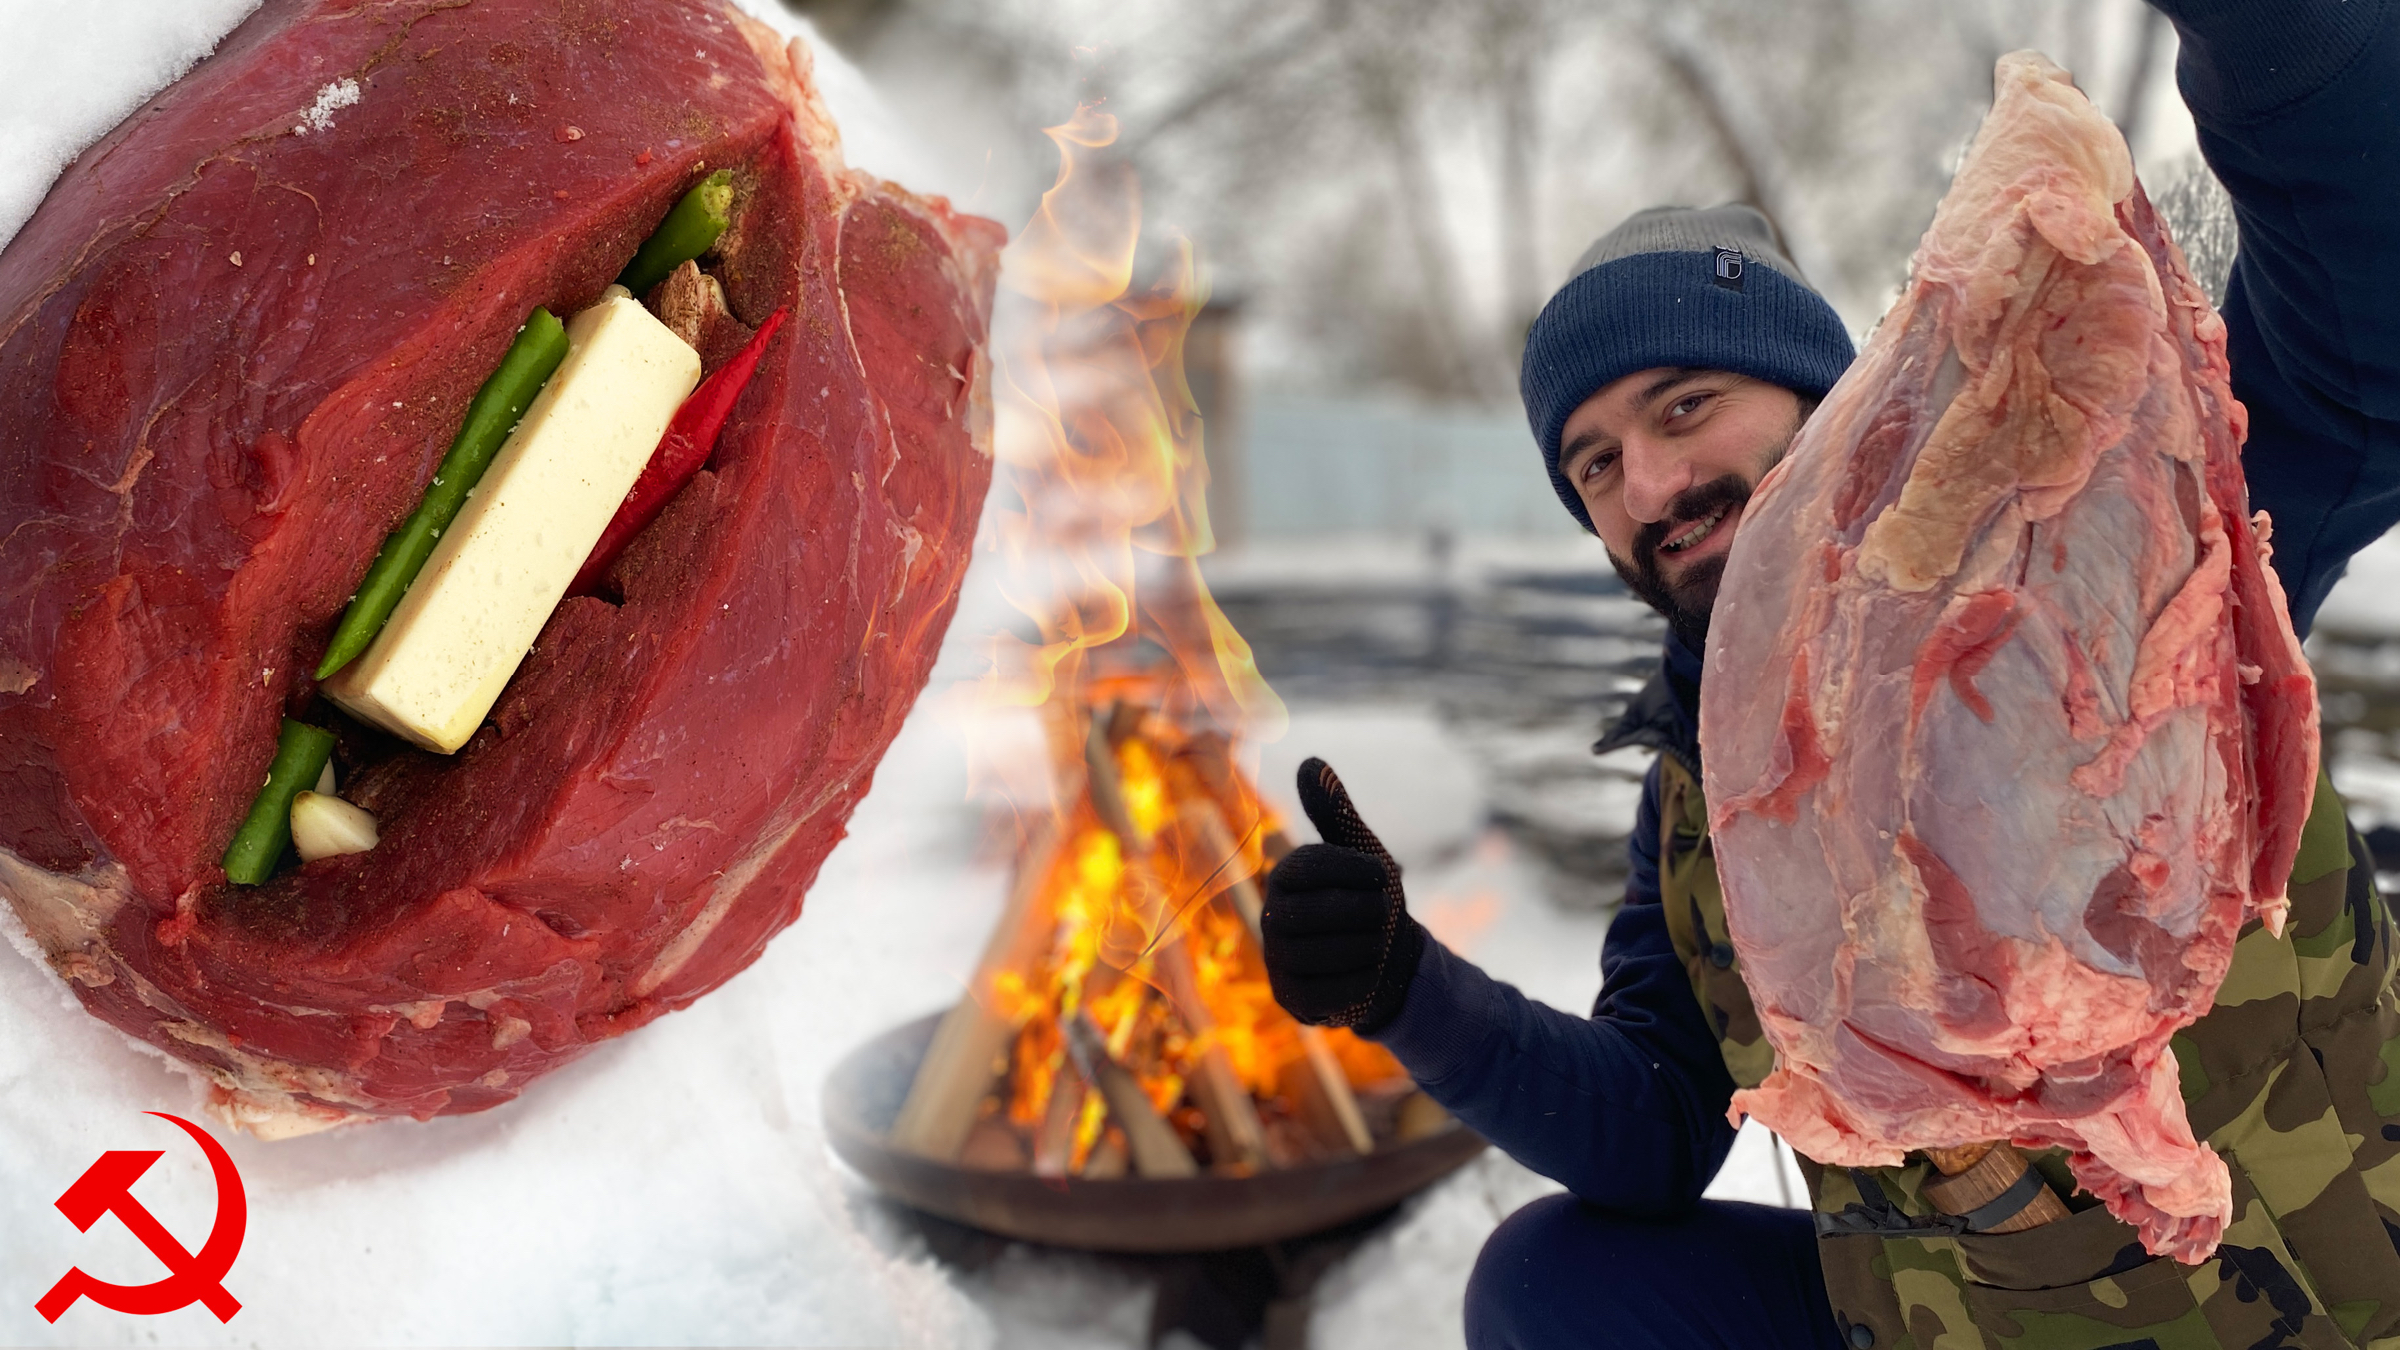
[1340, 946]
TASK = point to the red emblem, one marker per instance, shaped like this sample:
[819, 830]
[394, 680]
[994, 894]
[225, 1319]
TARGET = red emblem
[106, 1187]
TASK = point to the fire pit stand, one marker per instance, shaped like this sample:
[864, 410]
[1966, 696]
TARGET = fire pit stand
[1249, 1298]
[1206, 1213]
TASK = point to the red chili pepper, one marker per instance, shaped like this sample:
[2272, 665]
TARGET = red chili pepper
[691, 436]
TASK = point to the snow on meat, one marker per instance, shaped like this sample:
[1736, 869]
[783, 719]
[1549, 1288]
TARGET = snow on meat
[2006, 730]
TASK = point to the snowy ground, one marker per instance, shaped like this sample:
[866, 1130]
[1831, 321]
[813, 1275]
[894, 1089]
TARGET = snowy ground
[675, 1186]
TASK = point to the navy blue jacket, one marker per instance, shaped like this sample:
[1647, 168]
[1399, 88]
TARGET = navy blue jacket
[2298, 106]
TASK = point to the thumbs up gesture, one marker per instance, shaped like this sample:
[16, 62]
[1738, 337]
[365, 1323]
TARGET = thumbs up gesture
[1340, 945]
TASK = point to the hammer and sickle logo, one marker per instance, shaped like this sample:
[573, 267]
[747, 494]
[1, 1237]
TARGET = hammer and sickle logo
[106, 1187]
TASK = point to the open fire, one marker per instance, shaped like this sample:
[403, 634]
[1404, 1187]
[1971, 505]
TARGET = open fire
[1120, 1022]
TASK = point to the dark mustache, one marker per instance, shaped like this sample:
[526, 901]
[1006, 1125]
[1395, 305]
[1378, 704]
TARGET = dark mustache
[1690, 507]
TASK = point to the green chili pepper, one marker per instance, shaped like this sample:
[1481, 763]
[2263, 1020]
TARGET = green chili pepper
[300, 754]
[539, 347]
[686, 233]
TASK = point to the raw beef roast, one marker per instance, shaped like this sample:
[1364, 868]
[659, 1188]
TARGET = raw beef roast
[235, 340]
[2005, 728]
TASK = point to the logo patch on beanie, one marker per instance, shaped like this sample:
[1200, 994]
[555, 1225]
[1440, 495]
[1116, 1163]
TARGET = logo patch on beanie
[1729, 269]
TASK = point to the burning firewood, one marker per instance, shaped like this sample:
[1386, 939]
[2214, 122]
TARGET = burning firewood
[1155, 1149]
[1105, 784]
[1123, 1006]
[959, 1068]
[1235, 1134]
[1054, 1142]
[1316, 1081]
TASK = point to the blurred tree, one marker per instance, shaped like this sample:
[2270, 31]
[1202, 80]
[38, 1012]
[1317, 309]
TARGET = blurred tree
[2199, 212]
[848, 24]
[1396, 187]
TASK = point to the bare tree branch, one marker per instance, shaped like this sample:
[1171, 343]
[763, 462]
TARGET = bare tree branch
[1386, 95]
[1746, 150]
[1514, 50]
[1683, 66]
[2133, 97]
[1254, 66]
[1384, 181]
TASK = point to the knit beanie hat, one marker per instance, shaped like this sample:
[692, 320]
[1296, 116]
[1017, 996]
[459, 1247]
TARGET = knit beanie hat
[1677, 286]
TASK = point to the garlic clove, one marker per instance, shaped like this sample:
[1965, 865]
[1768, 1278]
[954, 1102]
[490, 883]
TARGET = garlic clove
[324, 825]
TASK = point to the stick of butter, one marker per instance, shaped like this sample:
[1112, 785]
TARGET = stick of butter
[467, 621]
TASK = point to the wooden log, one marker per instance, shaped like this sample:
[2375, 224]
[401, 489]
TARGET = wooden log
[1157, 1150]
[1419, 1116]
[1290, 1142]
[1325, 1098]
[1236, 1136]
[1054, 1142]
[1318, 1085]
[1124, 720]
[1975, 1175]
[966, 1052]
[1208, 757]
[1147, 910]
[994, 1145]
[1107, 1162]
[1213, 848]
[1237, 1139]
[1104, 784]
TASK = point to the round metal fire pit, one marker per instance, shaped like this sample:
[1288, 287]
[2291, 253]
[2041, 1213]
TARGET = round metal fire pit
[1131, 1214]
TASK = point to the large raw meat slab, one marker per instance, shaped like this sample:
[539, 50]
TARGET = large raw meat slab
[2005, 727]
[233, 343]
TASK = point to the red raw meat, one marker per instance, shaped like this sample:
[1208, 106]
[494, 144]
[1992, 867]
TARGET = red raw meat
[235, 340]
[2005, 727]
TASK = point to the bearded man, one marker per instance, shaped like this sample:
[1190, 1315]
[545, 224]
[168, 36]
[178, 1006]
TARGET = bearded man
[1662, 381]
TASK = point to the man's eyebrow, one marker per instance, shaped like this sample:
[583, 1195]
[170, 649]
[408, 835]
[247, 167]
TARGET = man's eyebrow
[1666, 382]
[1581, 443]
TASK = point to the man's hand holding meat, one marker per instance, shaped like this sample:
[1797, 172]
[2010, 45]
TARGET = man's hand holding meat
[1663, 381]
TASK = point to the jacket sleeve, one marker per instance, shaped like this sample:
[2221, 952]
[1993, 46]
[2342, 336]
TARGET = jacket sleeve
[2298, 108]
[1625, 1108]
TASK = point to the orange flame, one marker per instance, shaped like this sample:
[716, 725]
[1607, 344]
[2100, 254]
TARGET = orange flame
[1101, 442]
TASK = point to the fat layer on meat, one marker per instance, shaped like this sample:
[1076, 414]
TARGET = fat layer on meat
[234, 342]
[2005, 728]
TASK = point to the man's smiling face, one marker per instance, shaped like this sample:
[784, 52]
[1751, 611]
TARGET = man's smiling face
[1665, 459]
